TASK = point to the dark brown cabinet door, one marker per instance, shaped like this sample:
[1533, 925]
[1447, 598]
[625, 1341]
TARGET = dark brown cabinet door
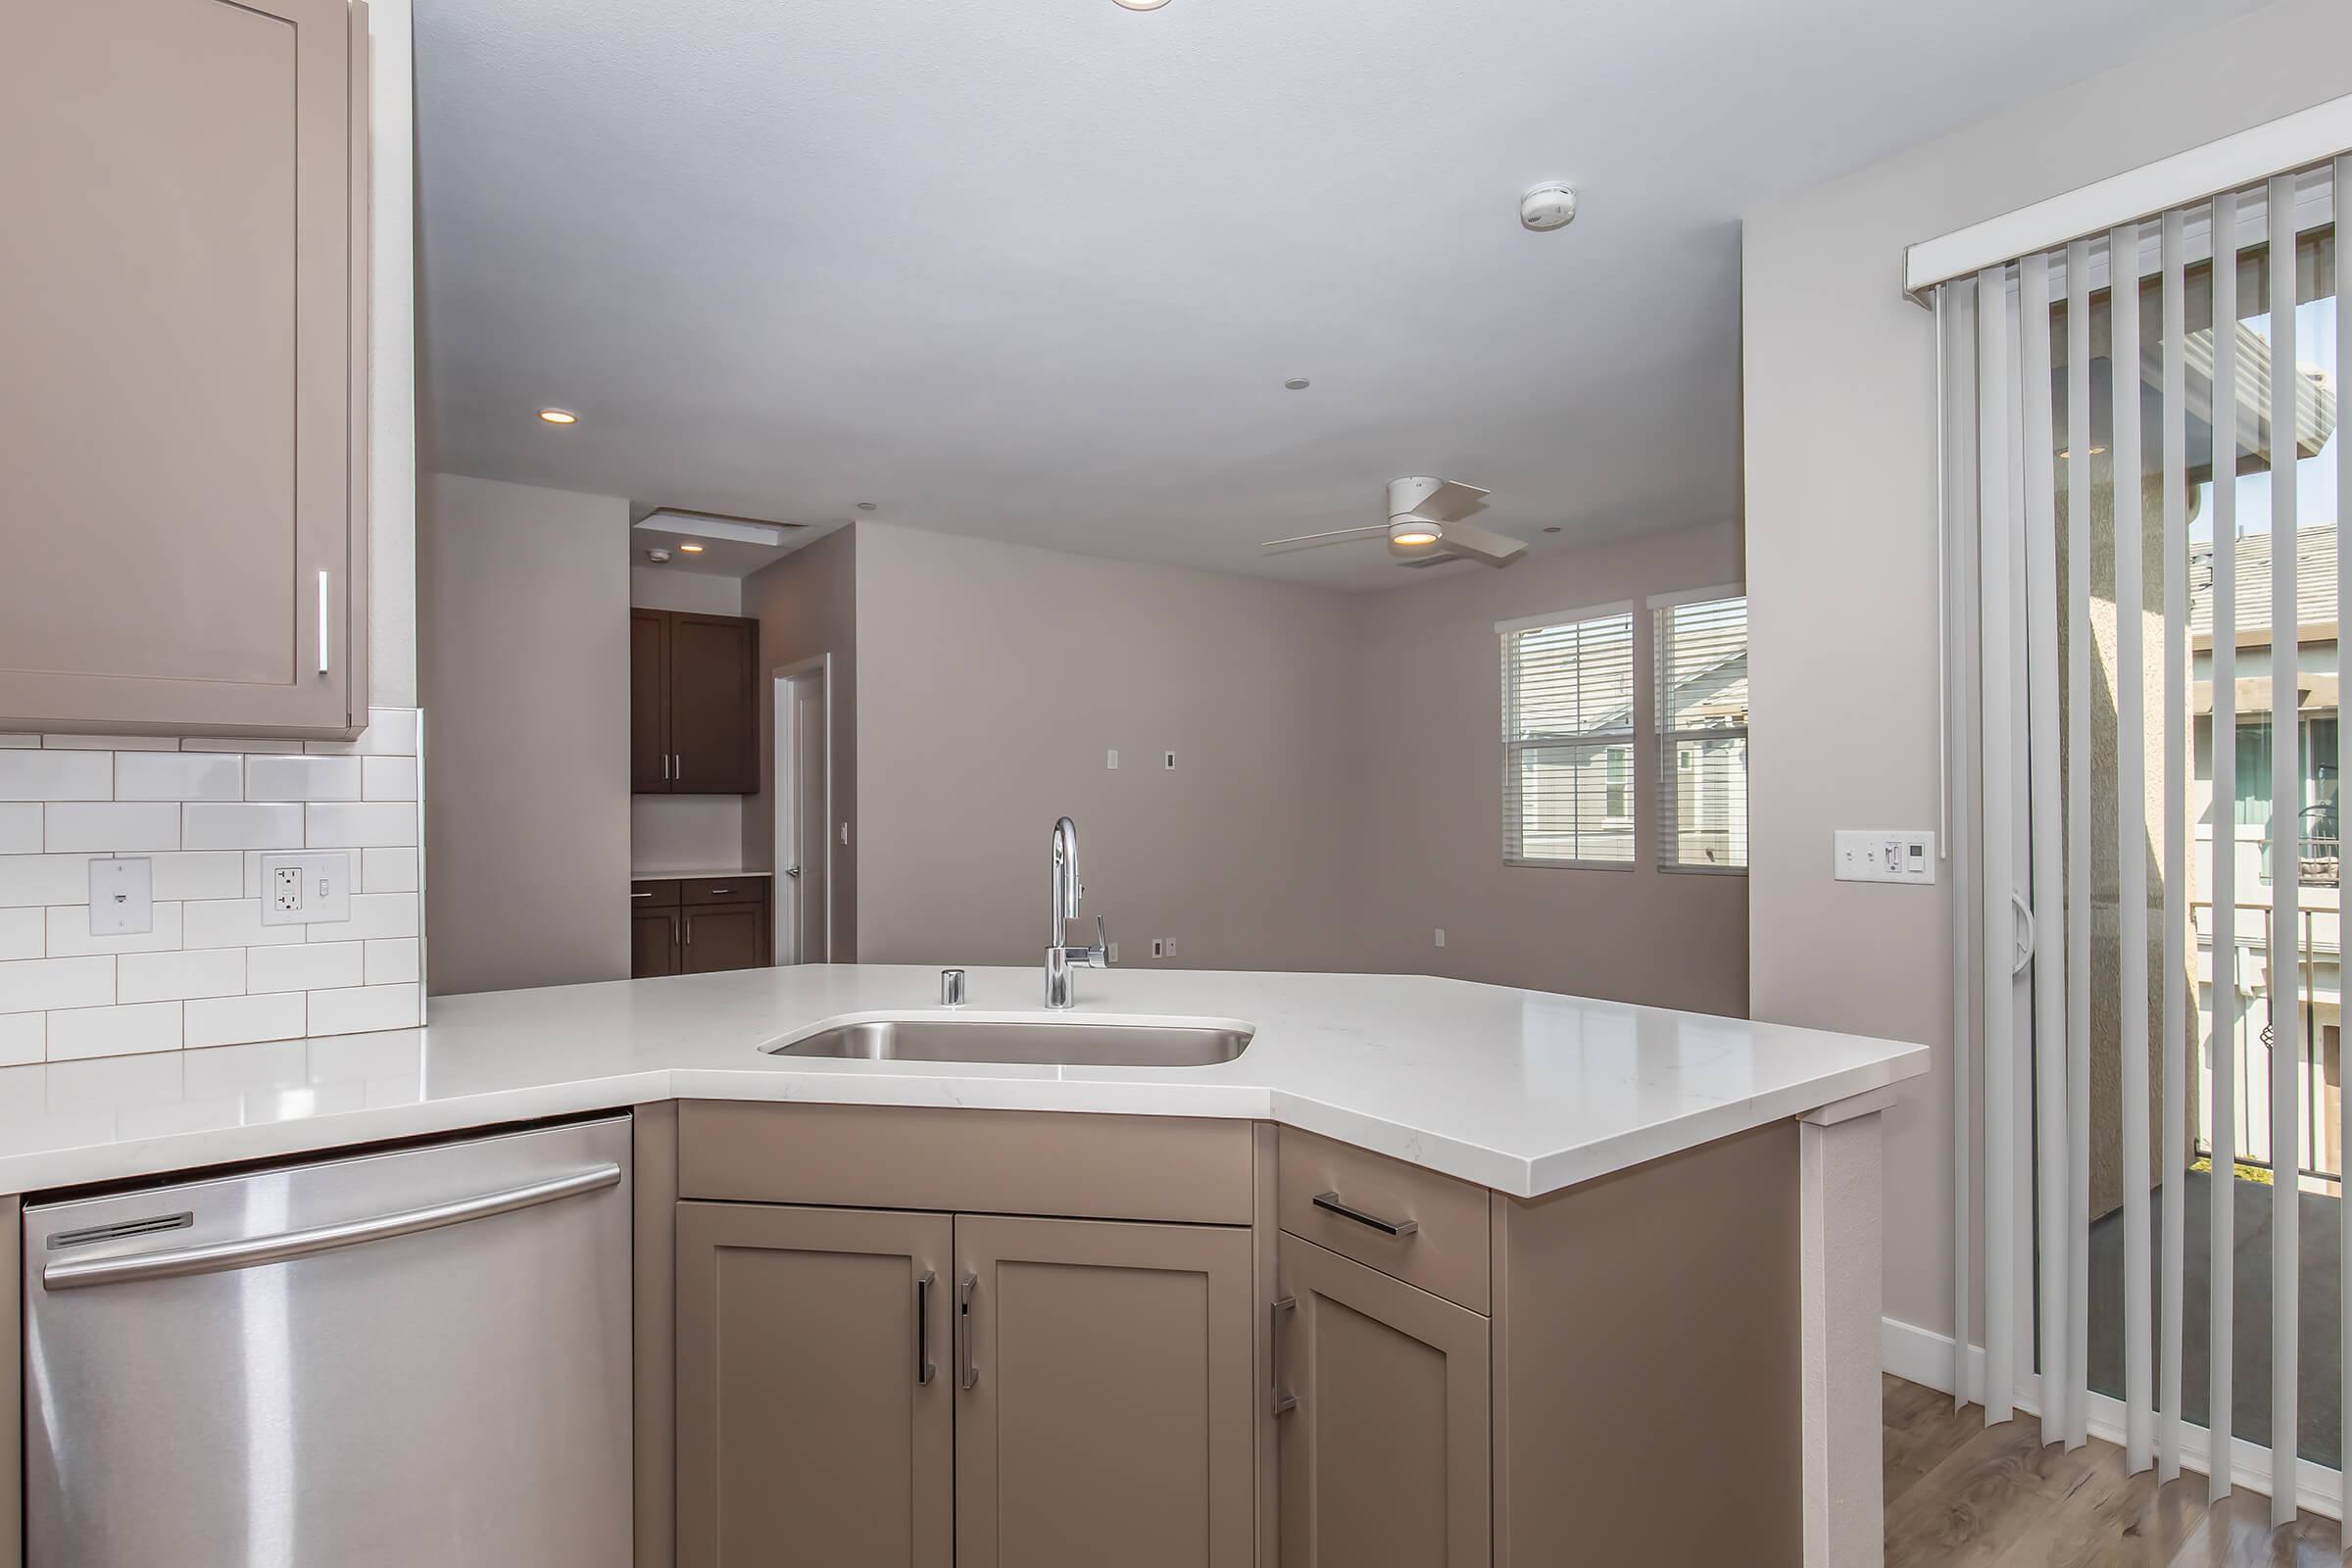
[652, 943]
[724, 937]
[713, 716]
[649, 708]
[1106, 1412]
[1383, 1457]
[815, 1378]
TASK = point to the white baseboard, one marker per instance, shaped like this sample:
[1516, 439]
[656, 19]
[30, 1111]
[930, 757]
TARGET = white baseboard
[1924, 1356]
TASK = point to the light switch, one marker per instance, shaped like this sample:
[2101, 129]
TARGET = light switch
[1881, 855]
[122, 896]
[313, 888]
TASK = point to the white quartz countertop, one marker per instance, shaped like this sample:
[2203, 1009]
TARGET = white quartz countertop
[1521, 1091]
[692, 874]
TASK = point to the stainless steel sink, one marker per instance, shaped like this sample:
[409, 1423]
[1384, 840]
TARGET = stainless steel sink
[1069, 1045]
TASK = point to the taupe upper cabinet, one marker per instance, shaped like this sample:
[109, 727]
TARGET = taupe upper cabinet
[694, 716]
[182, 367]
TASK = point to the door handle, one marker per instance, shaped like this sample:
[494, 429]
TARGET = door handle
[793, 871]
[250, 1251]
[1330, 1203]
[967, 1370]
[923, 1369]
[1285, 1401]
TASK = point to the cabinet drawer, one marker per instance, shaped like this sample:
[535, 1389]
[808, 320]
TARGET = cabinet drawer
[724, 890]
[1439, 1237]
[653, 895]
[974, 1161]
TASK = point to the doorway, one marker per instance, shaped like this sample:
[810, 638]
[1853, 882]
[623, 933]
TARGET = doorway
[804, 802]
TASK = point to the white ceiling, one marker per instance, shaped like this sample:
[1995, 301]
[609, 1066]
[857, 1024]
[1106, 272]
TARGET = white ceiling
[1037, 270]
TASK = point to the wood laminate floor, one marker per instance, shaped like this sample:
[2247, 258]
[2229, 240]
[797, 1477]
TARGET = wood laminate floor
[1961, 1493]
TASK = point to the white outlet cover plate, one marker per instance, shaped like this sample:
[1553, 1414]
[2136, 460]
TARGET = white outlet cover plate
[122, 896]
[1885, 855]
[326, 888]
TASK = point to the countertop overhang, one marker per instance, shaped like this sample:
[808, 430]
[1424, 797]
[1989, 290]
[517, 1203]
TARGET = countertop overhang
[1524, 1092]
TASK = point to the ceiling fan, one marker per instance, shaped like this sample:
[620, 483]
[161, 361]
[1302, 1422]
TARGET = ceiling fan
[1425, 527]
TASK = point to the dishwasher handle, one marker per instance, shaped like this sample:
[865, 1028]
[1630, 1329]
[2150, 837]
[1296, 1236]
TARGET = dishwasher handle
[248, 1251]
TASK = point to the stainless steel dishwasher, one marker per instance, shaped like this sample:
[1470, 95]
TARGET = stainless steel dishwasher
[413, 1356]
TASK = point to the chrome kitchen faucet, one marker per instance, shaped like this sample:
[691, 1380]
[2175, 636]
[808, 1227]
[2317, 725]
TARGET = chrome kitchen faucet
[1060, 959]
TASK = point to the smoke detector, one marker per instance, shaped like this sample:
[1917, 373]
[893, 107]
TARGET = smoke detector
[1548, 206]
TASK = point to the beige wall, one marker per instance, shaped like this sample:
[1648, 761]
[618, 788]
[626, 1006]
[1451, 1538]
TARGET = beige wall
[1840, 511]
[808, 604]
[1429, 794]
[686, 832]
[525, 673]
[993, 681]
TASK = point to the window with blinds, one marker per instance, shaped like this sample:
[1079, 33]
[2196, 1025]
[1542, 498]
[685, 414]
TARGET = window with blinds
[1701, 664]
[1568, 778]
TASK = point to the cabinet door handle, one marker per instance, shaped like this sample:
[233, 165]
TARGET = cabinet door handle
[1330, 1201]
[665, 768]
[715, 892]
[690, 930]
[1285, 1401]
[325, 623]
[967, 1370]
[923, 1369]
[641, 895]
[677, 766]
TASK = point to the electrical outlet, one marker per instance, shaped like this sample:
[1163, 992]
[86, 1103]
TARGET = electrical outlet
[309, 889]
[1885, 855]
[1114, 953]
[1169, 943]
[1441, 936]
[1158, 947]
[1114, 762]
[122, 896]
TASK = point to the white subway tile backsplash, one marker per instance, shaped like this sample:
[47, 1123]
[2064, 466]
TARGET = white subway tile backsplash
[22, 1038]
[391, 960]
[233, 923]
[44, 879]
[69, 933]
[20, 827]
[24, 934]
[236, 1020]
[353, 825]
[390, 732]
[341, 1012]
[303, 778]
[178, 776]
[108, 828]
[202, 809]
[38, 985]
[249, 826]
[174, 976]
[200, 874]
[114, 1031]
[317, 966]
[386, 871]
[373, 915]
[57, 775]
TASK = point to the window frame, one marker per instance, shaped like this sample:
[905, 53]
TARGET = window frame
[1670, 740]
[1600, 741]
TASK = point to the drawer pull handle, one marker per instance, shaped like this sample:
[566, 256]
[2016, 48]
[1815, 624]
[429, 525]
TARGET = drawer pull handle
[715, 892]
[1387, 1227]
[641, 895]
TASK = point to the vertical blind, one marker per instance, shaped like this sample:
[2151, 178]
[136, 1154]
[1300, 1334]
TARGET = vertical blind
[2140, 470]
[1568, 739]
[1701, 668]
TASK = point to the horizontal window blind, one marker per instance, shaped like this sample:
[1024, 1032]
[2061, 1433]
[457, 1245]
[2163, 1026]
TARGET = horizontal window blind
[1702, 734]
[1568, 780]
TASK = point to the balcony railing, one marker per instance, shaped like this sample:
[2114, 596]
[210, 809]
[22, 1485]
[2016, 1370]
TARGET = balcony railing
[2252, 934]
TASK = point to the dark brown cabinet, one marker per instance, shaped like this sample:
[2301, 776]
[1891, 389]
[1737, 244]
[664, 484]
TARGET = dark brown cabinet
[698, 925]
[694, 713]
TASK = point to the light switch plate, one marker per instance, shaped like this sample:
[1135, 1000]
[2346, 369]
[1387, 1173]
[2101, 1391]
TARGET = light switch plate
[313, 888]
[122, 896]
[1885, 855]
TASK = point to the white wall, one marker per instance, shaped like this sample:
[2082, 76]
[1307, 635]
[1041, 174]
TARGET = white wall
[1840, 511]
[526, 683]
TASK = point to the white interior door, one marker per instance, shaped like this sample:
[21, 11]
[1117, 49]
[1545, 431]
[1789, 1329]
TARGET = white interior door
[803, 813]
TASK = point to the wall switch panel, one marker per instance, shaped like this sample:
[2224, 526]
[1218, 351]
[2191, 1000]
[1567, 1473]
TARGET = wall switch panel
[1113, 762]
[122, 896]
[1885, 855]
[313, 888]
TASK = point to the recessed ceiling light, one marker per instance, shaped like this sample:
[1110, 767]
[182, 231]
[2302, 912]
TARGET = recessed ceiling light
[559, 417]
[1141, 5]
[865, 506]
[1296, 383]
[692, 549]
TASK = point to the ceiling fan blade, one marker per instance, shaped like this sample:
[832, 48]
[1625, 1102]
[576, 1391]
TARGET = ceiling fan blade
[1478, 544]
[1310, 540]
[1451, 500]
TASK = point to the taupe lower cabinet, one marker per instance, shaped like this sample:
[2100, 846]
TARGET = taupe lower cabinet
[183, 412]
[862, 1387]
[1385, 1445]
